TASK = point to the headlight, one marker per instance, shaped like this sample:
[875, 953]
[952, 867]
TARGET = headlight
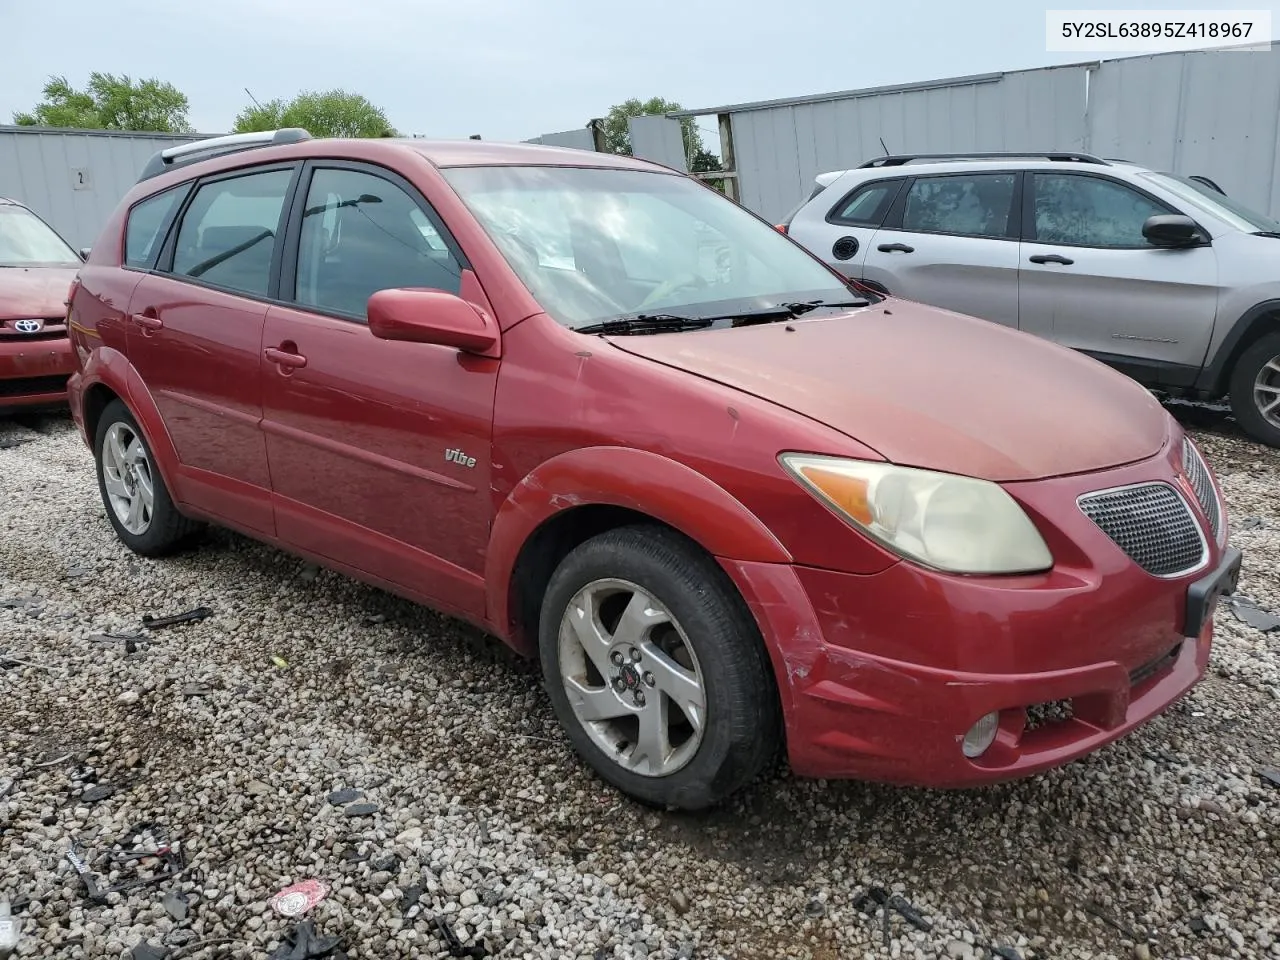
[951, 523]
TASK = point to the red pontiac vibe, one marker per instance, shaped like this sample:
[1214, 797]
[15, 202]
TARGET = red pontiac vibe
[731, 502]
[36, 270]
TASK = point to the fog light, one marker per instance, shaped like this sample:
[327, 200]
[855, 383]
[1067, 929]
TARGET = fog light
[981, 735]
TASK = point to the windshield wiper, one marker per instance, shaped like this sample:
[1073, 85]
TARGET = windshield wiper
[647, 323]
[785, 311]
[1267, 233]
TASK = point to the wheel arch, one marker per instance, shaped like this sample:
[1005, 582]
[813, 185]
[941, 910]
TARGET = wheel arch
[580, 494]
[1256, 322]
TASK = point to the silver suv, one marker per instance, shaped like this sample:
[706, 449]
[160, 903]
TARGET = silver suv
[1161, 276]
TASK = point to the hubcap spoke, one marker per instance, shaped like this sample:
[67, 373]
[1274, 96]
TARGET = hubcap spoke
[115, 486]
[1274, 364]
[638, 619]
[585, 620]
[676, 682]
[146, 491]
[1266, 411]
[650, 753]
[116, 441]
[134, 518]
[594, 703]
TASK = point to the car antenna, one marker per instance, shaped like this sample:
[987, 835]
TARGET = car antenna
[883, 147]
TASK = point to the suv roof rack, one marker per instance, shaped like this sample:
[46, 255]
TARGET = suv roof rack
[898, 160]
[185, 153]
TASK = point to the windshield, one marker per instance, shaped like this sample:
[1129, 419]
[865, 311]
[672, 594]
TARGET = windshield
[594, 244]
[1224, 208]
[27, 241]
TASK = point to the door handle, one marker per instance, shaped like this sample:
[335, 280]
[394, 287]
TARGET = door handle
[284, 358]
[895, 248]
[148, 322]
[1052, 258]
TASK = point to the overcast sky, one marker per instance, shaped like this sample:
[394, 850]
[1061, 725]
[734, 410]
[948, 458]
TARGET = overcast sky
[511, 70]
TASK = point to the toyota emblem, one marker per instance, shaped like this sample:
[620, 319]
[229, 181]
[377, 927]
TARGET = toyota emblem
[28, 326]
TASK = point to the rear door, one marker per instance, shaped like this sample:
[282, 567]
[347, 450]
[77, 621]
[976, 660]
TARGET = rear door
[951, 240]
[195, 337]
[839, 228]
[1090, 280]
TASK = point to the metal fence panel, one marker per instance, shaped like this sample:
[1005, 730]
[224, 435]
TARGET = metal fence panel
[658, 138]
[580, 139]
[75, 178]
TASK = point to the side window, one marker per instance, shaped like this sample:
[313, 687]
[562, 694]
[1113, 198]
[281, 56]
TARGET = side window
[361, 234]
[1090, 212]
[972, 205]
[867, 205]
[142, 236]
[229, 231]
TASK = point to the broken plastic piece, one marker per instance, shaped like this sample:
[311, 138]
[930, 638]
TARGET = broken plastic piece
[346, 795]
[1270, 776]
[149, 951]
[454, 945]
[175, 904]
[98, 792]
[280, 662]
[155, 623]
[360, 810]
[296, 900]
[10, 930]
[1247, 611]
[303, 943]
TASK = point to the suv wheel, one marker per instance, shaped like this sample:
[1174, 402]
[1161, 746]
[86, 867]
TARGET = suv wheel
[137, 501]
[1255, 390]
[656, 669]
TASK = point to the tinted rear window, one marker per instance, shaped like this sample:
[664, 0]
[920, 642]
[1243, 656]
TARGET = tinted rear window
[142, 234]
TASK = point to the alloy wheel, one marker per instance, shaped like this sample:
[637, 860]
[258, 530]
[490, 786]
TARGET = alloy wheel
[632, 678]
[1266, 391]
[126, 473]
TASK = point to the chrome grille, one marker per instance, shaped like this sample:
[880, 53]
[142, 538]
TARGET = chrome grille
[1152, 523]
[1202, 484]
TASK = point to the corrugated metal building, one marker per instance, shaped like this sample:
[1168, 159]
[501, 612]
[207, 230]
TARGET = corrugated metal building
[1215, 113]
[75, 178]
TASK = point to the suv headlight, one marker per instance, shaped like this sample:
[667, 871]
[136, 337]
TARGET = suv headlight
[948, 522]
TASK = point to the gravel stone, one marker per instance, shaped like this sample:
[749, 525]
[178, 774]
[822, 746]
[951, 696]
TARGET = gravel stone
[1173, 833]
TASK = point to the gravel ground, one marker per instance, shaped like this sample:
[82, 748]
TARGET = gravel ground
[230, 735]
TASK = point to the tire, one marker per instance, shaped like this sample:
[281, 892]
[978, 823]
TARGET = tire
[709, 636]
[158, 528]
[1250, 372]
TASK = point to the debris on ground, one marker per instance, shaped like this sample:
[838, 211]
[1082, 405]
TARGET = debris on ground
[100, 791]
[295, 900]
[157, 860]
[175, 904]
[149, 951]
[1247, 611]
[11, 440]
[10, 930]
[156, 623]
[454, 945]
[360, 810]
[344, 796]
[1270, 776]
[881, 901]
[303, 943]
[1251, 523]
[20, 603]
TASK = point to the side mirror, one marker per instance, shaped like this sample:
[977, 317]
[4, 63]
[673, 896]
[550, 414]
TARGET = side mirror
[84, 253]
[419, 315]
[1171, 230]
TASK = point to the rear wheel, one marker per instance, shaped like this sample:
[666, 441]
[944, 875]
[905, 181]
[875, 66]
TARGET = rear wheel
[137, 501]
[1255, 390]
[656, 669]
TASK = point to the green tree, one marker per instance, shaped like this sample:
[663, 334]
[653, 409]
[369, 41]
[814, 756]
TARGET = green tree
[110, 102]
[617, 136]
[333, 113]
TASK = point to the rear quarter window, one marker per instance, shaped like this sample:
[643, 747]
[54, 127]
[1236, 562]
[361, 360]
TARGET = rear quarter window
[144, 231]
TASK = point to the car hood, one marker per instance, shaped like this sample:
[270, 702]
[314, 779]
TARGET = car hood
[928, 388]
[35, 291]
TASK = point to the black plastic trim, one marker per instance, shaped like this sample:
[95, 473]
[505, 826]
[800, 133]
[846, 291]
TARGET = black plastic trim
[1152, 373]
[1203, 595]
[1213, 378]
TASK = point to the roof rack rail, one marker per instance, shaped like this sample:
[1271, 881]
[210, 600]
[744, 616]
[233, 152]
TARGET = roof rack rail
[898, 160]
[185, 153]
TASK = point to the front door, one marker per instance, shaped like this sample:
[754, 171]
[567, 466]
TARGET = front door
[1090, 280]
[195, 337]
[951, 241]
[379, 450]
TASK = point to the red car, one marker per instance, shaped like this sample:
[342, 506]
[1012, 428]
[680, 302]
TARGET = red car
[36, 270]
[732, 502]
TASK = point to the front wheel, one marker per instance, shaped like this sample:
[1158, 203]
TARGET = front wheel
[656, 669]
[137, 501]
[1255, 390]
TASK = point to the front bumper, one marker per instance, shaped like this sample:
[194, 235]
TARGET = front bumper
[34, 372]
[852, 714]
